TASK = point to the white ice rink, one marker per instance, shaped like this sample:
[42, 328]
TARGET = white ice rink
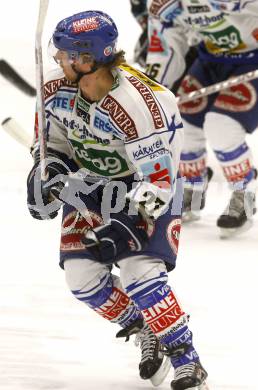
[50, 341]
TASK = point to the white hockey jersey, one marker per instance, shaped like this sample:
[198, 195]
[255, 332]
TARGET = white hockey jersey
[136, 127]
[222, 37]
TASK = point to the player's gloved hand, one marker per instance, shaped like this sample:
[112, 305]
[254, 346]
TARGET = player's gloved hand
[153, 199]
[42, 199]
[122, 236]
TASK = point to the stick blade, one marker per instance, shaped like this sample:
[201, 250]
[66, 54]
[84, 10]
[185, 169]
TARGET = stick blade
[16, 131]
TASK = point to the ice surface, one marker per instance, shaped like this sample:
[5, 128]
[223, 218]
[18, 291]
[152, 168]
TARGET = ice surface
[48, 340]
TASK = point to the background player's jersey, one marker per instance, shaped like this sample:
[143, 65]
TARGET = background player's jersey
[136, 127]
[222, 37]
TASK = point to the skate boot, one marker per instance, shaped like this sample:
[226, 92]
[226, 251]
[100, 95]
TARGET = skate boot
[194, 199]
[153, 365]
[190, 376]
[237, 218]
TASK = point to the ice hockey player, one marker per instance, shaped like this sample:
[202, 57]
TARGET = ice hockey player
[227, 37]
[140, 13]
[122, 133]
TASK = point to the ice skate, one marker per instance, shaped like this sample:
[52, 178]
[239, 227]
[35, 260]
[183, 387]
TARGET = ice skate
[194, 199]
[237, 217]
[153, 365]
[190, 376]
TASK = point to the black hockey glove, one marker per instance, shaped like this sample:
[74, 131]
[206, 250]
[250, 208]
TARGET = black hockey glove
[118, 239]
[140, 49]
[42, 200]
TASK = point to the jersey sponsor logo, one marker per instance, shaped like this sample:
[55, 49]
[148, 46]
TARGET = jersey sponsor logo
[157, 43]
[115, 305]
[238, 171]
[74, 226]
[204, 20]
[239, 98]
[226, 40]
[145, 79]
[82, 104]
[86, 24]
[52, 86]
[190, 84]
[101, 162]
[195, 9]
[156, 149]
[84, 115]
[120, 117]
[163, 314]
[173, 234]
[192, 169]
[82, 133]
[63, 102]
[102, 123]
[157, 5]
[82, 109]
[158, 172]
[149, 100]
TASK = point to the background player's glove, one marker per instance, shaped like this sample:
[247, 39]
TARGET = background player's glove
[42, 201]
[122, 236]
[141, 47]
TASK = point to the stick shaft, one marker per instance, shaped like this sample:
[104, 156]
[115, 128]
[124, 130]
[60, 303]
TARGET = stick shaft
[217, 87]
[43, 6]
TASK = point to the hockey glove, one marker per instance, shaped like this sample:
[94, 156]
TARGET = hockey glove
[140, 50]
[42, 200]
[118, 239]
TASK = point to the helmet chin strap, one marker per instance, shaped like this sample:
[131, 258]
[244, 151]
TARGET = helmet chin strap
[81, 74]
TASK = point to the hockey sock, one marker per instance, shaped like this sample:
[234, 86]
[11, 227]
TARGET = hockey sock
[237, 166]
[162, 312]
[193, 168]
[110, 301]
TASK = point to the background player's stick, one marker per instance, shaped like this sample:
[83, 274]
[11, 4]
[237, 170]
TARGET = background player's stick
[43, 6]
[19, 134]
[8, 72]
[16, 131]
[217, 87]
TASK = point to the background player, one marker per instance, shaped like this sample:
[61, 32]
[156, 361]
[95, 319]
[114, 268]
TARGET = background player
[226, 34]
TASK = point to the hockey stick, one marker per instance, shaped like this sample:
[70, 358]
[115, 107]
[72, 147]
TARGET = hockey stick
[16, 131]
[8, 72]
[217, 87]
[43, 6]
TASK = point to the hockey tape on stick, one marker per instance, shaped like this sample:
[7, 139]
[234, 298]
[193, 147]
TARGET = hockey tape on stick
[217, 87]
[16, 131]
[8, 72]
[43, 6]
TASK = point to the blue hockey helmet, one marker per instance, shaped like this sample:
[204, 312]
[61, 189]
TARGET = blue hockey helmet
[225, 5]
[90, 32]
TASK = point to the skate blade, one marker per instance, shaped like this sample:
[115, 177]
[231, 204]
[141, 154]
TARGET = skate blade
[162, 372]
[203, 386]
[190, 216]
[232, 232]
